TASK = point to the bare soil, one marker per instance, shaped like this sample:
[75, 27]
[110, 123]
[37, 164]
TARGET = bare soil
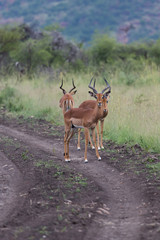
[42, 197]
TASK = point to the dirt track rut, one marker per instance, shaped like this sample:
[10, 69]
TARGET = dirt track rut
[122, 214]
[10, 185]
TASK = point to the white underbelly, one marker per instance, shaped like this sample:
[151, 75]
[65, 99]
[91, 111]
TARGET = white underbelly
[77, 123]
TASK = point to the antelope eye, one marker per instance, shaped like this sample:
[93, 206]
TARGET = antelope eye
[107, 101]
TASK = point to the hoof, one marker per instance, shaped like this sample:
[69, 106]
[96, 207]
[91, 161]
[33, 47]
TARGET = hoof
[78, 148]
[99, 148]
[67, 160]
[99, 159]
[102, 147]
[93, 147]
[86, 161]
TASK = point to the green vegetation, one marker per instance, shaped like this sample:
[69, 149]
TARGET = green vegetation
[24, 52]
[132, 71]
[133, 110]
[154, 168]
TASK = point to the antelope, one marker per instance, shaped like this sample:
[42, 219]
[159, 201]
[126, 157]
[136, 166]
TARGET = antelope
[67, 101]
[85, 118]
[91, 104]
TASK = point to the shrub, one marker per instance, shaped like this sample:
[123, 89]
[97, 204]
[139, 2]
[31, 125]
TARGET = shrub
[32, 53]
[155, 52]
[103, 49]
[10, 98]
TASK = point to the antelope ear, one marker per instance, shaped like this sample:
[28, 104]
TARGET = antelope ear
[92, 94]
[74, 92]
[60, 104]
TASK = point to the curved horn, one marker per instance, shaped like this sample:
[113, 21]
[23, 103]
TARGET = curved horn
[64, 91]
[73, 86]
[93, 88]
[108, 87]
[94, 83]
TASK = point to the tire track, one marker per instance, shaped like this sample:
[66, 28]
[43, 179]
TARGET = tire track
[122, 214]
[10, 185]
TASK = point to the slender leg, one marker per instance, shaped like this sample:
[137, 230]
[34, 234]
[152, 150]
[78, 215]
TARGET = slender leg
[86, 132]
[66, 157]
[89, 138]
[97, 127]
[67, 142]
[79, 139]
[102, 124]
[96, 148]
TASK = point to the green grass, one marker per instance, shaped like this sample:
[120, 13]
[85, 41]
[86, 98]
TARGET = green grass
[154, 168]
[135, 121]
[133, 109]
[48, 164]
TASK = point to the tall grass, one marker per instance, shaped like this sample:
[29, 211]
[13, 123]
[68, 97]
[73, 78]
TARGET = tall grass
[134, 109]
[134, 116]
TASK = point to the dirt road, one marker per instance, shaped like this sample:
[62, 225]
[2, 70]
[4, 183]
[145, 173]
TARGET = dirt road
[42, 197]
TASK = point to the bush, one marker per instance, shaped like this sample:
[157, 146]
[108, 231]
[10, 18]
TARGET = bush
[32, 53]
[9, 38]
[103, 49]
[10, 98]
[155, 52]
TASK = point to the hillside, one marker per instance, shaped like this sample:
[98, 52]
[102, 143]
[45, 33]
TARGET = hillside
[126, 20]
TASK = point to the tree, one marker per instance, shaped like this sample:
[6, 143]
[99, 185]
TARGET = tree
[33, 53]
[9, 38]
[103, 49]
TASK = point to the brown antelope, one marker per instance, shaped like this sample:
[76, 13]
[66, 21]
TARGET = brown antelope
[67, 101]
[85, 118]
[91, 104]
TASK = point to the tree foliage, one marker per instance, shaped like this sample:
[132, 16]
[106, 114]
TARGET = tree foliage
[103, 49]
[155, 51]
[38, 50]
[9, 38]
[32, 53]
